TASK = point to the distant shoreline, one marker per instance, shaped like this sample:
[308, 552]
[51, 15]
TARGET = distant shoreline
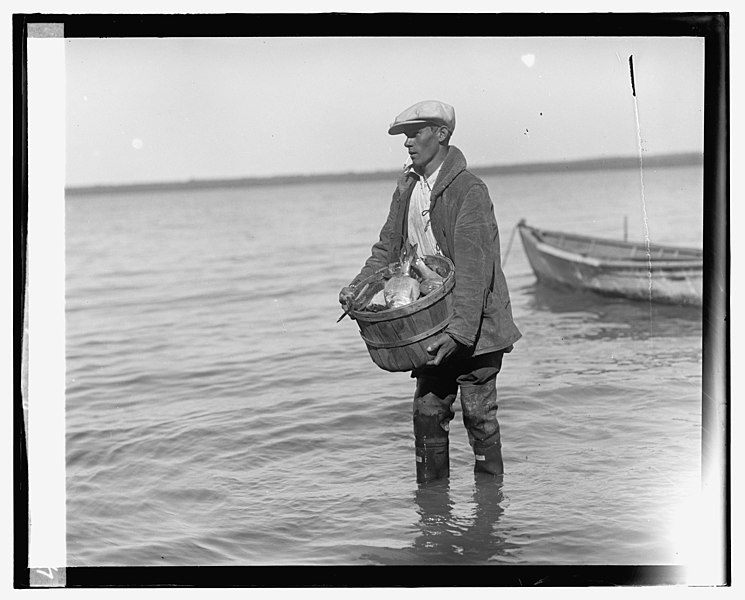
[626, 162]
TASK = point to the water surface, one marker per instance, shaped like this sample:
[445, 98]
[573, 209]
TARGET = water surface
[218, 415]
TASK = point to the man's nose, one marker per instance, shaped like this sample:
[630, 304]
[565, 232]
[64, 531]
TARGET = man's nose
[409, 142]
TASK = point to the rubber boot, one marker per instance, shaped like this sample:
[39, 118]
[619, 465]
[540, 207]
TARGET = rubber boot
[480, 418]
[488, 459]
[431, 446]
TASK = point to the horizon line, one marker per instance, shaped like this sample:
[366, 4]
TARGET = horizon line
[610, 162]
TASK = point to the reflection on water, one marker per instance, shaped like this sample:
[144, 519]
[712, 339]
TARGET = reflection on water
[447, 537]
[451, 533]
[606, 318]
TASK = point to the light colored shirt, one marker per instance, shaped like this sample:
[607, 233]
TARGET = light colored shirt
[420, 230]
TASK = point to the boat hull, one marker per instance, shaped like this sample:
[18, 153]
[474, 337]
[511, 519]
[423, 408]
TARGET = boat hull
[662, 281]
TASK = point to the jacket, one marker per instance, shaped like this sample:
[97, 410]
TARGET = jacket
[465, 228]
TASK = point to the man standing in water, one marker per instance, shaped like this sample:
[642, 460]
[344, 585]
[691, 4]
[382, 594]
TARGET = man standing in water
[445, 209]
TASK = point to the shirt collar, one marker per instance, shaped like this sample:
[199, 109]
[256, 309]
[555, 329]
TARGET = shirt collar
[432, 178]
[430, 181]
[410, 172]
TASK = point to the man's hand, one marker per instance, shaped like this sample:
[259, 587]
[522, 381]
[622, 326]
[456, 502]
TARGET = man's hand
[346, 295]
[442, 348]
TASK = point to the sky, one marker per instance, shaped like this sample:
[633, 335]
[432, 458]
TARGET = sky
[173, 109]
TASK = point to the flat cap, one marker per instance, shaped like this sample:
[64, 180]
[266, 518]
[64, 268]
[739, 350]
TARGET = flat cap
[428, 111]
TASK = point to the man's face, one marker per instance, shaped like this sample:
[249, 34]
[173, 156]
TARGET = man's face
[422, 143]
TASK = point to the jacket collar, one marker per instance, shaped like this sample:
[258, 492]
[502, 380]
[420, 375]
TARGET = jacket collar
[452, 166]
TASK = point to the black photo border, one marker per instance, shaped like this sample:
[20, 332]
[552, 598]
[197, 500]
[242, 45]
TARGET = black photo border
[712, 27]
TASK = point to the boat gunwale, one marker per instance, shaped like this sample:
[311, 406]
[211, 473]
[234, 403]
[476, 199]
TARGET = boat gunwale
[641, 263]
[635, 265]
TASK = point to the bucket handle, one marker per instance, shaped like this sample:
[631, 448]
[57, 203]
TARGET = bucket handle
[413, 340]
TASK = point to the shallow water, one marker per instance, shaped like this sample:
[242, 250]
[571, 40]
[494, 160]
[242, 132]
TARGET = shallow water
[218, 415]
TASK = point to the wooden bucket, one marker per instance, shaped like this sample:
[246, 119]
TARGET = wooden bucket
[397, 338]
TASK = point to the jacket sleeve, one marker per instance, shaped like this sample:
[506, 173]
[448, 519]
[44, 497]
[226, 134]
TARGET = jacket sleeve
[379, 255]
[474, 262]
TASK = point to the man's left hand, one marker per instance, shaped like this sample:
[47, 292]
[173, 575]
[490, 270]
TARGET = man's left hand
[442, 348]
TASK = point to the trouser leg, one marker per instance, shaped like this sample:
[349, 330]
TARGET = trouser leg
[478, 390]
[433, 412]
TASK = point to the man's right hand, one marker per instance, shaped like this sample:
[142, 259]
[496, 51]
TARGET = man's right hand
[346, 295]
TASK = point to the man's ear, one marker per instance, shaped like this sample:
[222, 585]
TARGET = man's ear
[442, 133]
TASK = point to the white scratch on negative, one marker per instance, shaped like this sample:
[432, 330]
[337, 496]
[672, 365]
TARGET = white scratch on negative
[644, 205]
[279, 313]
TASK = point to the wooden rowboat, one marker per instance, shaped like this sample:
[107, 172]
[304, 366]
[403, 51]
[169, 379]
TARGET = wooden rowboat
[667, 274]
